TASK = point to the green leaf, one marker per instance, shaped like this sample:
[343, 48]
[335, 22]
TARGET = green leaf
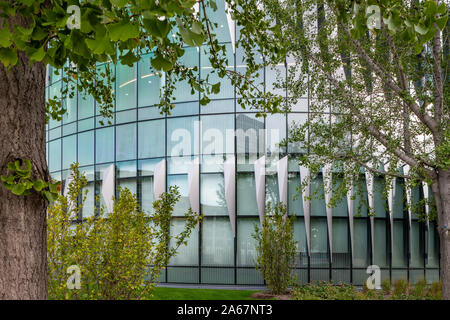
[123, 31]
[8, 56]
[53, 187]
[161, 63]
[49, 196]
[442, 22]
[197, 27]
[119, 3]
[420, 29]
[204, 101]
[442, 8]
[11, 166]
[18, 189]
[5, 36]
[215, 88]
[39, 185]
[37, 55]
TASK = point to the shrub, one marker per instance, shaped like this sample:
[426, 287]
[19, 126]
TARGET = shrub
[326, 291]
[400, 289]
[120, 254]
[435, 291]
[386, 286]
[276, 248]
[419, 289]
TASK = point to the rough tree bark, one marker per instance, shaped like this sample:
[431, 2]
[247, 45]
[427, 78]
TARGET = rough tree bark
[441, 191]
[23, 245]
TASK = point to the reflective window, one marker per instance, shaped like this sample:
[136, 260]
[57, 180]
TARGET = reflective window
[126, 142]
[217, 134]
[70, 104]
[152, 139]
[217, 242]
[319, 242]
[341, 243]
[213, 202]
[187, 254]
[399, 258]
[381, 244]
[54, 150]
[69, 151]
[361, 243]
[417, 244]
[125, 87]
[104, 145]
[85, 105]
[150, 83]
[246, 194]
[182, 136]
[246, 252]
[183, 205]
[249, 138]
[86, 148]
[89, 199]
[126, 175]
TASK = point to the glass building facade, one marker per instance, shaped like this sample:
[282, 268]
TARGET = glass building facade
[228, 163]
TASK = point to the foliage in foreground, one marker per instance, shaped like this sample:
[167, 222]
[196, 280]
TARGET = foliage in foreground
[120, 254]
[276, 248]
[400, 290]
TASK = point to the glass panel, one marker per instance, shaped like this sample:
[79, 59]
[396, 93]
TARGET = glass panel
[126, 87]
[249, 138]
[126, 175]
[183, 89]
[86, 151]
[54, 163]
[417, 247]
[184, 109]
[180, 180]
[275, 133]
[217, 242]
[399, 258]
[152, 138]
[69, 151]
[381, 245]
[226, 88]
[187, 255]
[70, 104]
[181, 134]
[361, 243]
[318, 207]
[272, 191]
[246, 194]
[246, 252]
[89, 200]
[295, 202]
[218, 106]
[295, 120]
[433, 247]
[275, 78]
[126, 142]
[104, 148]
[319, 243]
[341, 243]
[85, 105]
[149, 83]
[212, 196]
[217, 134]
[146, 187]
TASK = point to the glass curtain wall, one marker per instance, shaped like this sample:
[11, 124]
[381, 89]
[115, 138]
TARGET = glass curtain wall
[140, 136]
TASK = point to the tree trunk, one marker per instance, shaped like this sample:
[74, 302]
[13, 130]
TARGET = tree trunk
[23, 234]
[443, 209]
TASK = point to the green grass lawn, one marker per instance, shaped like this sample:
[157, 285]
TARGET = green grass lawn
[163, 293]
